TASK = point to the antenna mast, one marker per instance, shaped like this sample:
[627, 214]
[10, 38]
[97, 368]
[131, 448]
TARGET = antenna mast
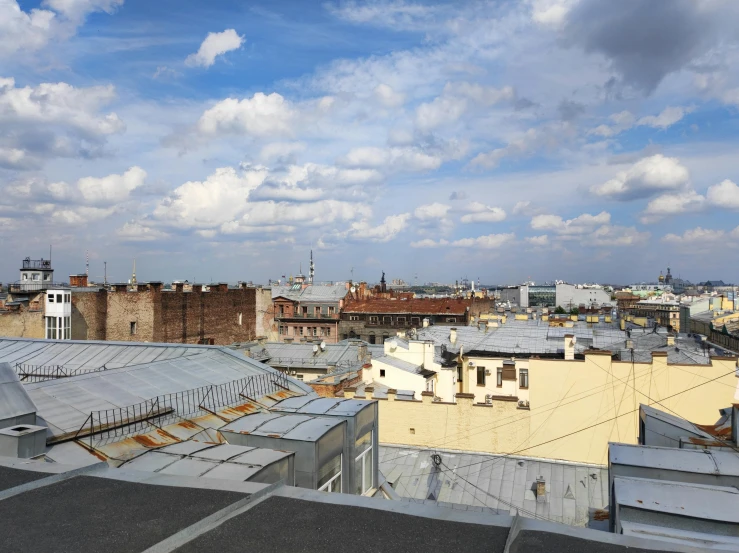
[87, 263]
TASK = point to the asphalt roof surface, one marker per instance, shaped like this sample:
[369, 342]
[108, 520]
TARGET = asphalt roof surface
[529, 541]
[87, 514]
[324, 527]
[10, 478]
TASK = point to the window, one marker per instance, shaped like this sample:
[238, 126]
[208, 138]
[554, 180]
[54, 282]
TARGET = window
[363, 464]
[47, 276]
[315, 331]
[372, 339]
[59, 298]
[328, 331]
[282, 311]
[305, 310]
[51, 328]
[300, 377]
[51, 298]
[415, 321]
[523, 378]
[133, 328]
[318, 310]
[353, 317]
[382, 373]
[451, 319]
[323, 331]
[25, 276]
[282, 330]
[36, 276]
[401, 321]
[301, 330]
[499, 382]
[69, 298]
[331, 310]
[373, 319]
[329, 476]
[387, 320]
[481, 376]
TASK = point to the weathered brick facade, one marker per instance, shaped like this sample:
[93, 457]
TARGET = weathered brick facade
[149, 313]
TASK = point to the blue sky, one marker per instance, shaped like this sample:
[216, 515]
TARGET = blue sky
[585, 140]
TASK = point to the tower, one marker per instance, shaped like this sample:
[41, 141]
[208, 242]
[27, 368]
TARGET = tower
[133, 275]
[312, 268]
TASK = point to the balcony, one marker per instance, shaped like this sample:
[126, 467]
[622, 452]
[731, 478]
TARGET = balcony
[34, 286]
[41, 264]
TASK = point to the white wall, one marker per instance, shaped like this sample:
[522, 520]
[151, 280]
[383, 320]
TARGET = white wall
[395, 378]
[509, 387]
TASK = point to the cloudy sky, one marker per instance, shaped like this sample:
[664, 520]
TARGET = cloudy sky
[585, 140]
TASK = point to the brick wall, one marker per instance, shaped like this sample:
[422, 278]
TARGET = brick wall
[329, 386]
[22, 323]
[221, 316]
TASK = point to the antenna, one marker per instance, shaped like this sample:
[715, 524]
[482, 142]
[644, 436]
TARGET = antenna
[87, 263]
[49, 254]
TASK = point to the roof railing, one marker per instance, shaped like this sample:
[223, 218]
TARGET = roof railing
[40, 373]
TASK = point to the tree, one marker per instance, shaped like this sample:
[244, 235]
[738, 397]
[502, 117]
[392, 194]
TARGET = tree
[574, 311]
[560, 310]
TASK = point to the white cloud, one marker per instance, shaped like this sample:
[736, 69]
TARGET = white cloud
[81, 215]
[455, 100]
[488, 242]
[261, 115]
[672, 204]
[551, 13]
[481, 213]
[384, 232]
[219, 199]
[613, 235]
[388, 97]
[111, 189]
[582, 224]
[668, 117]
[700, 235]
[549, 136]
[395, 14]
[31, 31]
[59, 104]
[724, 194]
[214, 45]
[137, 232]
[393, 159]
[280, 151]
[539, 241]
[645, 178]
[626, 120]
[431, 212]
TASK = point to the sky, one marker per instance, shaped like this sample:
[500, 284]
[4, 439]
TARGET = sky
[582, 140]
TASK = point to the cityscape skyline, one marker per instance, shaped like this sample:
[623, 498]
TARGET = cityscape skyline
[489, 138]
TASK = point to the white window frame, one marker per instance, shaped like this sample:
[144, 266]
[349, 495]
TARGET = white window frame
[329, 486]
[362, 458]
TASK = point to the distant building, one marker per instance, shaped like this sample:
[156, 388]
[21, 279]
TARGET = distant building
[567, 296]
[305, 311]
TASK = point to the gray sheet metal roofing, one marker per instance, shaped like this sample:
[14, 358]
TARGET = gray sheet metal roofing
[65, 403]
[298, 355]
[400, 364]
[89, 355]
[312, 405]
[14, 400]
[704, 461]
[311, 293]
[290, 427]
[574, 491]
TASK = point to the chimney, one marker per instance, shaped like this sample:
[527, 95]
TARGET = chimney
[222, 287]
[78, 281]
[361, 351]
[570, 342]
[179, 287]
[453, 335]
[670, 340]
[288, 340]
[541, 490]
[197, 288]
[426, 322]
[120, 287]
[629, 344]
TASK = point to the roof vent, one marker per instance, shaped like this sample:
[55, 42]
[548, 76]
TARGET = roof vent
[541, 490]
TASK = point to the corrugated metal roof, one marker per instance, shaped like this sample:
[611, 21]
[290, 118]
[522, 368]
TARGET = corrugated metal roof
[399, 364]
[686, 460]
[320, 406]
[503, 483]
[290, 427]
[14, 400]
[686, 500]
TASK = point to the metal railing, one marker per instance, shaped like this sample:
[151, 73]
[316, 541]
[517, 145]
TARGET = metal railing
[160, 410]
[40, 373]
[31, 286]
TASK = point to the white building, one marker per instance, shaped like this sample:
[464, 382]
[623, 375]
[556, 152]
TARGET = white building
[58, 314]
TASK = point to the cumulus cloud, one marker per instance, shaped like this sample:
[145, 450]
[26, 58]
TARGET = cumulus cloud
[455, 100]
[262, 115]
[579, 225]
[30, 31]
[626, 120]
[391, 159]
[384, 232]
[488, 242]
[645, 178]
[432, 211]
[672, 204]
[538, 241]
[214, 45]
[614, 235]
[112, 188]
[481, 213]
[134, 231]
[388, 97]
[724, 194]
[699, 235]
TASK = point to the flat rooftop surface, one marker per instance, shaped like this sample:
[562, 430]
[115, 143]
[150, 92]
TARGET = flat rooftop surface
[88, 514]
[10, 478]
[529, 541]
[324, 527]
[504, 484]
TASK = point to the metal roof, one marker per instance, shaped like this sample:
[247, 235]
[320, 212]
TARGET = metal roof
[342, 355]
[700, 501]
[311, 293]
[291, 427]
[400, 364]
[89, 354]
[320, 406]
[224, 461]
[707, 461]
[14, 400]
[65, 403]
[503, 483]
[674, 420]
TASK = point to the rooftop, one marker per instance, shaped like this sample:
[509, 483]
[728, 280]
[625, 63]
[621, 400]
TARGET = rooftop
[67, 508]
[416, 306]
[311, 292]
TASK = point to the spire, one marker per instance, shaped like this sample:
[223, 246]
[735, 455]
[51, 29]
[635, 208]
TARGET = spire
[133, 275]
[312, 268]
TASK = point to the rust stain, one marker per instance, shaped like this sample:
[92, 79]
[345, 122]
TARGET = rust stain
[146, 441]
[639, 501]
[274, 436]
[601, 514]
[188, 424]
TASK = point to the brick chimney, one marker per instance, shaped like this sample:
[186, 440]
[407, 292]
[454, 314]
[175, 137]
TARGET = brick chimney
[78, 281]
